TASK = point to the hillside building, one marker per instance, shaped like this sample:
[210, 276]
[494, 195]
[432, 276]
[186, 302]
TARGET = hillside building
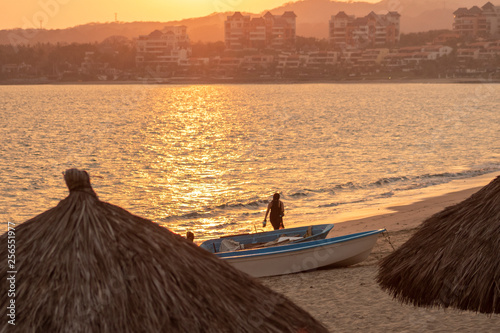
[410, 57]
[266, 32]
[350, 31]
[477, 22]
[446, 38]
[161, 49]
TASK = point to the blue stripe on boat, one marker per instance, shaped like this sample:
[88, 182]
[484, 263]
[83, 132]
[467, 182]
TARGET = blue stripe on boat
[295, 246]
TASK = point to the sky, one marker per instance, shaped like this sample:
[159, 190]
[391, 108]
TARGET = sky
[56, 14]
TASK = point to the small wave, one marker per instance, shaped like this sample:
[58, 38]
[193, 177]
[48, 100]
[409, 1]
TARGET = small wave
[251, 213]
[191, 215]
[314, 191]
[384, 181]
[436, 175]
[348, 185]
[209, 212]
[335, 204]
[455, 175]
[254, 203]
[409, 187]
[426, 180]
[299, 194]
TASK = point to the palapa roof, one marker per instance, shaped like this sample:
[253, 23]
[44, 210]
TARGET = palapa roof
[89, 266]
[453, 259]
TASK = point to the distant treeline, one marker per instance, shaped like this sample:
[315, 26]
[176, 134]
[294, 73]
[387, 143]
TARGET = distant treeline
[52, 59]
[46, 59]
[117, 53]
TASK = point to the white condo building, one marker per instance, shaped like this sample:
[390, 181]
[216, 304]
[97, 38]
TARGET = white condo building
[163, 47]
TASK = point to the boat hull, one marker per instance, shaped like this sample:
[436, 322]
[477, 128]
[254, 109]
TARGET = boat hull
[332, 252]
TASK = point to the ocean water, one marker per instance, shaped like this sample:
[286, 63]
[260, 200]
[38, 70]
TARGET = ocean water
[207, 158]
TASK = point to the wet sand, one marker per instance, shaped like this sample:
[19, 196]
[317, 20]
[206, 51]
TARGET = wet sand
[350, 300]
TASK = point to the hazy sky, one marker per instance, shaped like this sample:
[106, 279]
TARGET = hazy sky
[67, 13]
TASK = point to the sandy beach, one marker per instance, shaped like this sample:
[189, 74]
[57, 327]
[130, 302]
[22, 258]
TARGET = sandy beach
[350, 300]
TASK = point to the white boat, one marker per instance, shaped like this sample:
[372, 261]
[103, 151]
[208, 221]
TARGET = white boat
[304, 256]
[268, 238]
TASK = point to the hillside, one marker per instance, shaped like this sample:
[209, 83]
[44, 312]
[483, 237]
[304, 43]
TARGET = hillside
[312, 21]
[208, 29]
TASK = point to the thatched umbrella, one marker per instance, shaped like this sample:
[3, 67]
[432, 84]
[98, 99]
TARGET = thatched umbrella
[89, 266]
[453, 260]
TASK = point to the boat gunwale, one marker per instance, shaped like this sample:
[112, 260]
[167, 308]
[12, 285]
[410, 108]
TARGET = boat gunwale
[207, 244]
[289, 248]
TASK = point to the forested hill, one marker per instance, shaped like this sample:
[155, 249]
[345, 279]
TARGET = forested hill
[208, 29]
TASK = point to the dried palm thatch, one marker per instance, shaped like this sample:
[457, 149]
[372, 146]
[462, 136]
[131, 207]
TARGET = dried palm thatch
[453, 259]
[89, 266]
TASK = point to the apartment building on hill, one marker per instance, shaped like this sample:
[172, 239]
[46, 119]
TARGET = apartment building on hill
[478, 22]
[371, 30]
[266, 32]
[162, 48]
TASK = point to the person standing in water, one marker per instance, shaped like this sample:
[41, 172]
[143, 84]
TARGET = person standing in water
[277, 212]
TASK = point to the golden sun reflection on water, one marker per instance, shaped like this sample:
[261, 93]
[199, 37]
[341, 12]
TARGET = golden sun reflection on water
[189, 143]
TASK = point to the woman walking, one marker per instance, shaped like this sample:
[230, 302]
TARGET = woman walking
[277, 211]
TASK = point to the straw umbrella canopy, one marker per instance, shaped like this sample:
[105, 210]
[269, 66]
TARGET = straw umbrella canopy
[453, 259]
[89, 266]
